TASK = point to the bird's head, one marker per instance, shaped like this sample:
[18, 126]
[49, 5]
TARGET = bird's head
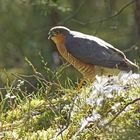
[58, 33]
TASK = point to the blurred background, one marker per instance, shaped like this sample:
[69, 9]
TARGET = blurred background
[24, 25]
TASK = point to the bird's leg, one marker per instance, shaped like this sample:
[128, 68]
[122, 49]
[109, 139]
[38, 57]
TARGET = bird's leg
[84, 81]
[80, 84]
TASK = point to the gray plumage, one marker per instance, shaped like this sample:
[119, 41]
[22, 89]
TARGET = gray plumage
[93, 50]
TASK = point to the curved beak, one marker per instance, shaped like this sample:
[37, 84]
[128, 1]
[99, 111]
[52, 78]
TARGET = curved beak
[49, 35]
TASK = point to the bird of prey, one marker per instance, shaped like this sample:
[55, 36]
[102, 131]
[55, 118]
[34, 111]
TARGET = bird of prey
[90, 55]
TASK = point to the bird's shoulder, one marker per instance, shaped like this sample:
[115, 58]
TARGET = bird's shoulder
[93, 50]
[90, 41]
[89, 38]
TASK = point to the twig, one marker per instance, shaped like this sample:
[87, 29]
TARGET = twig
[69, 117]
[132, 102]
[25, 80]
[104, 19]
[133, 47]
[40, 77]
[72, 15]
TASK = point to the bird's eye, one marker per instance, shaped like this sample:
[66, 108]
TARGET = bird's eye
[57, 32]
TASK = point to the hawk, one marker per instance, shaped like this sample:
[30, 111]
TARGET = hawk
[90, 55]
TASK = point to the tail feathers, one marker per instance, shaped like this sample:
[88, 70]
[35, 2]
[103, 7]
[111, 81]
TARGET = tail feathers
[127, 65]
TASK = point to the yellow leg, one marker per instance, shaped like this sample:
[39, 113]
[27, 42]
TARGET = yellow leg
[80, 85]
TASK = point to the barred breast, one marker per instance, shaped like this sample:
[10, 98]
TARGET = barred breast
[87, 70]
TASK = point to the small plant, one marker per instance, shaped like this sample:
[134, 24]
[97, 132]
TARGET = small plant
[54, 109]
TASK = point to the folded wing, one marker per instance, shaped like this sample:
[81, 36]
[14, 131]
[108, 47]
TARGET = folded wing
[93, 50]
